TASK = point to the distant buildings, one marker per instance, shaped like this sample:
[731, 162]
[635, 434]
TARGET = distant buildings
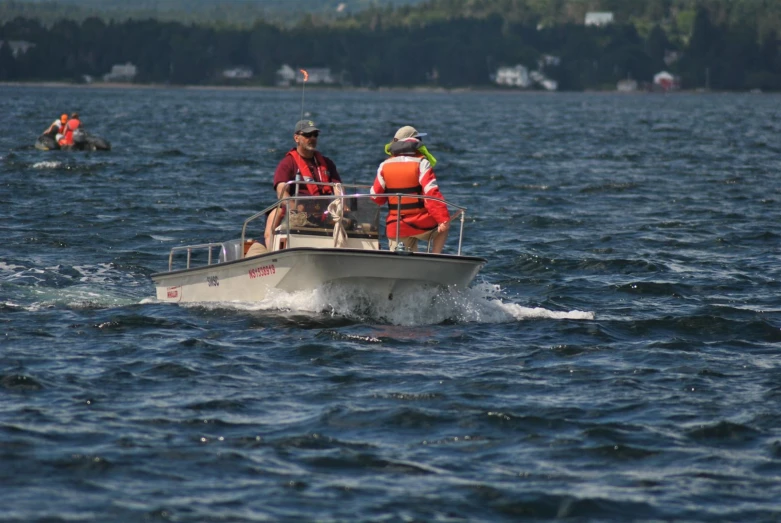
[662, 82]
[238, 73]
[515, 76]
[121, 73]
[665, 81]
[286, 76]
[598, 18]
[520, 76]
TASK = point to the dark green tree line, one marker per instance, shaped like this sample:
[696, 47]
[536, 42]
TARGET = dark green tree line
[449, 52]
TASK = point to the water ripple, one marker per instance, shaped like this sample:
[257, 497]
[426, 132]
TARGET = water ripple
[616, 359]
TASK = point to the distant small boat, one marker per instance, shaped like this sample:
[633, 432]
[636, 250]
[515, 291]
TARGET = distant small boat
[309, 250]
[82, 141]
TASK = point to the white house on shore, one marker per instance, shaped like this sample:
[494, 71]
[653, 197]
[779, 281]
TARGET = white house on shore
[520, 76]
[121, 73]
[286, 76]
[515, 76]
[598, 18]
[237, 73]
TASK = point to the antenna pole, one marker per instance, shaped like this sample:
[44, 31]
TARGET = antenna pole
[303, 85]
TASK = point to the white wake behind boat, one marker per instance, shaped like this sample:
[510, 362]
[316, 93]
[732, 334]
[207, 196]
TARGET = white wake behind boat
[322, 240]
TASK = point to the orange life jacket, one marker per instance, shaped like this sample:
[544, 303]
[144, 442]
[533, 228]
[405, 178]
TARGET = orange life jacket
[72, 125]
[321, 174]
[402, 177]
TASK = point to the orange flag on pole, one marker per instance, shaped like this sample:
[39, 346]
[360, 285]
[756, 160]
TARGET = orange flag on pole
[306, 75]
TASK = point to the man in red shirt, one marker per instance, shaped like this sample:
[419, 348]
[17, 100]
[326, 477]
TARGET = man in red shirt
[305, 162]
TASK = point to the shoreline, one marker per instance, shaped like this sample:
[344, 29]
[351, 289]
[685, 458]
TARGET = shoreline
[419, 89]
[127, 85]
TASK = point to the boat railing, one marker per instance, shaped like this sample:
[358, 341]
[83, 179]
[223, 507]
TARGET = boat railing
[199, 247]
[287, 205]
[233, 249]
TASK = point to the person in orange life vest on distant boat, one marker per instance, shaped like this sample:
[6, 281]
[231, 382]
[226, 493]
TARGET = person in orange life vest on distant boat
[410, 170]
[305, 160]
[57, 127]
[67, 133]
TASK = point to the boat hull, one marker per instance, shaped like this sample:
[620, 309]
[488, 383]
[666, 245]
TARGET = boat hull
[86, 142]
[296, 269]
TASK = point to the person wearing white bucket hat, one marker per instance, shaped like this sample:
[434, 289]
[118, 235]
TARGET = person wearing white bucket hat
[407, 132]
[410, 170]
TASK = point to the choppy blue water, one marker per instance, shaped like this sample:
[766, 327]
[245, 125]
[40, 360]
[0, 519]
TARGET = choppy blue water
[617, 358]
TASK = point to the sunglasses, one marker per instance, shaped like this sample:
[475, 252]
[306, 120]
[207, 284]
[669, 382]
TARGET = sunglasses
[313, 134]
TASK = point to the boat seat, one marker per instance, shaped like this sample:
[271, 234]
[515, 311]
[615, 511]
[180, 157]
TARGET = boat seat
[231, 250]
[255, 249]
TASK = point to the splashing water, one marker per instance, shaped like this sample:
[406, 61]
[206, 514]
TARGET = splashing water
[46, 165]
[410, 306]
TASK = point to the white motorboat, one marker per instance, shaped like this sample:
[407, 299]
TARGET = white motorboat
[322, 240]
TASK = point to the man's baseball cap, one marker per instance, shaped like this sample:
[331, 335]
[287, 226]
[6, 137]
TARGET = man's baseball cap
[305, 126]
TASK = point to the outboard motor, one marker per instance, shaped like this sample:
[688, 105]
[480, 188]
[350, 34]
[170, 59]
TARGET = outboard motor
[79, 137]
